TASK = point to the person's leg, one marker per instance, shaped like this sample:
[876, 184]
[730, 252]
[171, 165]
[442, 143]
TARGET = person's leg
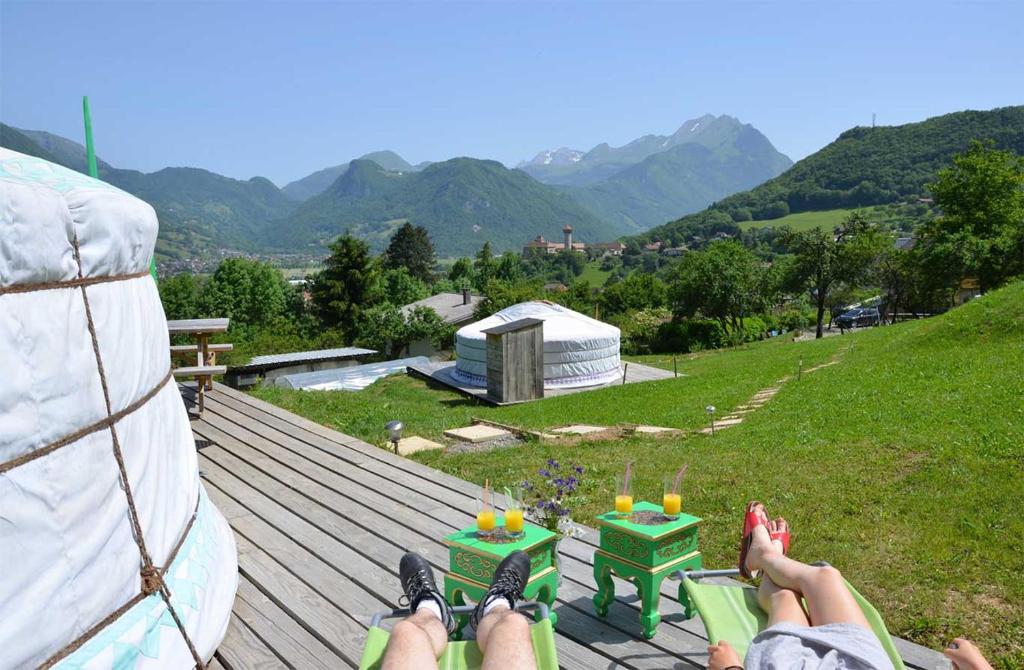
[782, 605]
[416, 642]
[507, 634]
[502, 634]
[419, 640]
[828, 598]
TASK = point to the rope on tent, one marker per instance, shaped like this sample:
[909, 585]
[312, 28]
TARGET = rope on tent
[151, 577]
[68, 283]
[116, 614]
[105, 422]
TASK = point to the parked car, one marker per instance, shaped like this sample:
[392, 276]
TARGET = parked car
[855, 318]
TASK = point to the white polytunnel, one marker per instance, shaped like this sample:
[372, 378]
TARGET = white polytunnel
[111, 553]
[578, 350]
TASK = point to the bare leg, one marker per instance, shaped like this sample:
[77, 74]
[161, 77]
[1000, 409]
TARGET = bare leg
[782, 605]
[416, 643]
[828, 599]
[504, 638]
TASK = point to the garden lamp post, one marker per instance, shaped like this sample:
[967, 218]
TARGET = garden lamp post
[394, 429]
[710, 409]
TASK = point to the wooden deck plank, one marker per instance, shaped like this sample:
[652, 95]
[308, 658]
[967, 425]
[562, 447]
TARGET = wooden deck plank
[297, 453]
[286, 637]
[244, 650]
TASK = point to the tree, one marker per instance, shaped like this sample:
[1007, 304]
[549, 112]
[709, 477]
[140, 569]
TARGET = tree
[510, 268]
[411, 248]
[250, 293]
[401, 288]
[636, 292]
[348, 284]
[722, 282]
[825, 261]
[461, 273]
[180, 296]
[981, 230]
[485, 266]
[385, 328]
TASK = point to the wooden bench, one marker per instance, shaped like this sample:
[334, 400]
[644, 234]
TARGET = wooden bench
[204, 352]
[203, 375]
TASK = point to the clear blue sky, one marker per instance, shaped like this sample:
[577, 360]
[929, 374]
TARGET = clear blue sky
[282, 89]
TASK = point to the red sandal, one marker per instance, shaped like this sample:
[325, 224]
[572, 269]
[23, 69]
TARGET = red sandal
[751, 520]
[783, 537]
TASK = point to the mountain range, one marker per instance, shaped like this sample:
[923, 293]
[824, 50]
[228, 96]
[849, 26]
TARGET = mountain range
[603, 193]
[862, 167]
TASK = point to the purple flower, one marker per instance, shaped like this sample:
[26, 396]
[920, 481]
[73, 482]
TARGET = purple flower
[578, 469]
[543, 472]
[553, 463]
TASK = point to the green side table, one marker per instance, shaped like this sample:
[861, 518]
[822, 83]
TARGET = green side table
[644, 555]
[472, 562]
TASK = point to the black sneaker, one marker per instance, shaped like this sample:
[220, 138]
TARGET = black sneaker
[418, 584]
[510, 579]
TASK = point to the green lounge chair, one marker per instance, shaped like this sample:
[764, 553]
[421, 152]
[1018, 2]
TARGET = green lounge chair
[465, 655]
[731, 612]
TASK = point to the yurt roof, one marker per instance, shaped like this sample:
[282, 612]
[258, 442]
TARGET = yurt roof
[560, 323]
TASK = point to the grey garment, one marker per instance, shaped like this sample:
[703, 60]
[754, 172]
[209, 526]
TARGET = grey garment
[834, 646]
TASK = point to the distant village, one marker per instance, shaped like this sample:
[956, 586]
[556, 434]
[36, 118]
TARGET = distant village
[539, 245]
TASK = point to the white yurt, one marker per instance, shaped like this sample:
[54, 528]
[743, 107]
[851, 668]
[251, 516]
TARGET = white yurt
[111, 553]
[578, 350]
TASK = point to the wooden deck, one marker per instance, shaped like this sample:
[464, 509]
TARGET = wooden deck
[321, 520]
[440, 372]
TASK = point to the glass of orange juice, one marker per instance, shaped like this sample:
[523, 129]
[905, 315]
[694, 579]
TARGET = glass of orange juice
[671, 501]
[623, 496]
[514, 513]
[485, 519]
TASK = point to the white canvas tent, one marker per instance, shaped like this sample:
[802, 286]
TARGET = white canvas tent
[111, 554]
[578, 350]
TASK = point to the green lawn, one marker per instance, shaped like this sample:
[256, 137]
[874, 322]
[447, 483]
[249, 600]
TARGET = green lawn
[594, 274]
[902, 464]
[803, 221]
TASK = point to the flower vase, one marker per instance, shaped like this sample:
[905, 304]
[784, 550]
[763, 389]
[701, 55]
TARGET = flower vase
[557, 558]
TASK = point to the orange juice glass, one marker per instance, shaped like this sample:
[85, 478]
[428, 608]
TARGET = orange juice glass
[671, 504]
[514, 521]
[485, 521]
[623, 496]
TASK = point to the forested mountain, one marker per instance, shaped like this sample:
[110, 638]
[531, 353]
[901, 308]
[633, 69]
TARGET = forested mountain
[864, 166]
[656, 178]
[199, 211]
[462, 202]
[316, 183]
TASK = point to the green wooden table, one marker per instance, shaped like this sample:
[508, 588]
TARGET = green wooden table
[644, 555]
[472, 562]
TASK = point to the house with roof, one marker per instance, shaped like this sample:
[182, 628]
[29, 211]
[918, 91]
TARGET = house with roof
[455, 309]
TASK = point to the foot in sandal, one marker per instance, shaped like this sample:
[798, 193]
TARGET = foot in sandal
[722, 656]
[965, 655]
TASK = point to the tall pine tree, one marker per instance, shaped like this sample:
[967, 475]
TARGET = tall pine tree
[411, 248]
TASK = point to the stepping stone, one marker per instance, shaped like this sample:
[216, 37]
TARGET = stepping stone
[654, 430]
[578, 429]
[725, 423]
[476, 433]
[410, 445]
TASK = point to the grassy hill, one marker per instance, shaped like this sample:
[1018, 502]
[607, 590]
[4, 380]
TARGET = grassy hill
[863, 167]
[462, 203]
[901, 463]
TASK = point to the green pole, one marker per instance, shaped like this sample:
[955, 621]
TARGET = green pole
[94, 171]
[90, 150]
